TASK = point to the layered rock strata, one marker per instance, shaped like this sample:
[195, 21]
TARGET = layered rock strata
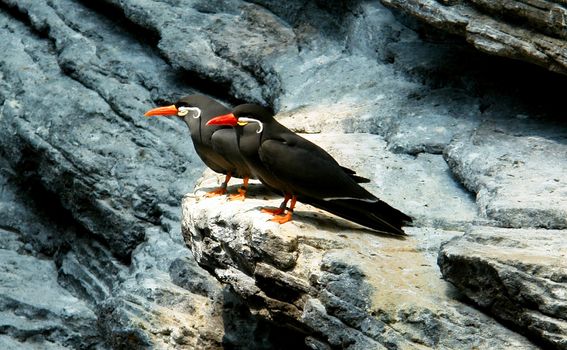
[532, 31]
[520, 275]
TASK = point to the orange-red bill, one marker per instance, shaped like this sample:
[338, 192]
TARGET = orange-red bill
[167, 110]
[226, 119]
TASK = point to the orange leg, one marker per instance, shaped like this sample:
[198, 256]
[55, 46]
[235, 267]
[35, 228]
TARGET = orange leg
[241, 191]
[222, 189]
[282, 219]
[277, 211]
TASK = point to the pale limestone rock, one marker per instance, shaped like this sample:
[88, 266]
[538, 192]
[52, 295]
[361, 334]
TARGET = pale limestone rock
[420, 186]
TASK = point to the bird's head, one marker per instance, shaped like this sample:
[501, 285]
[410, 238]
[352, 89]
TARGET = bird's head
[243, 115]
[188, 106]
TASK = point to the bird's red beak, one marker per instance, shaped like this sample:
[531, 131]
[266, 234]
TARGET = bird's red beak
[226, 119]
[167, 110]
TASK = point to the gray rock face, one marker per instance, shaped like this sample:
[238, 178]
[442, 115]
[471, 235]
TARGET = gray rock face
[92, 152]
[61, 289]
[33, 304]
[91, 189]
[35, 310]
[73, 92]
[533, 31]
[520, 275]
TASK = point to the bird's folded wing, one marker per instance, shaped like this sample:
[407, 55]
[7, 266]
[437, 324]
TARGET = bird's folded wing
[309, 169]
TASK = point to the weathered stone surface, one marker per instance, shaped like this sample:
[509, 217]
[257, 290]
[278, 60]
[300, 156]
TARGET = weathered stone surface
[517, 169]
[92, 152]
[36, 311]
[7, 342]
[519, 275]
[341, 284]
[34, 308]
[84, 297]
[533, 31]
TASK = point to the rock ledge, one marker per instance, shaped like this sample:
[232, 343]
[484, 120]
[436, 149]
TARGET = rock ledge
[519, 275]
[339, 284]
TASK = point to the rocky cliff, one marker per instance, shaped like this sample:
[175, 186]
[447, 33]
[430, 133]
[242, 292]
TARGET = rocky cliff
[529, 30]
[91, 247]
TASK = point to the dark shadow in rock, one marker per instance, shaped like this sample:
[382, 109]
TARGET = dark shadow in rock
[185, 272]
[455, 294]
[46, 205]
[260, 191]
[338, 225]
[243, 330]
[50, 206]
[122, 23]
[13, 11]
[503, 86]
[215, 89]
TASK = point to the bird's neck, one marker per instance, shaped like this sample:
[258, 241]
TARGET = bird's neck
[248, 141]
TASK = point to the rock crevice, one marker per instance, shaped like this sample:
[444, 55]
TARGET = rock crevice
[530, 31]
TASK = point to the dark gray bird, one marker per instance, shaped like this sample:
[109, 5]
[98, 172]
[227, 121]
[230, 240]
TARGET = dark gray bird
[303, 171]
[216, 146]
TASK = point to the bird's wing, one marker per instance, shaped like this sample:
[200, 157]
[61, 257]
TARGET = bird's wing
[309, 169]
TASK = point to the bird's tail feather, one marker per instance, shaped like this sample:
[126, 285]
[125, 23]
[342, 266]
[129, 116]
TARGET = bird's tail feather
[352, 174]
[378, 215]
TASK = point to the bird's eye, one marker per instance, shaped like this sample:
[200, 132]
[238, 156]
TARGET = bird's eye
[191, 111]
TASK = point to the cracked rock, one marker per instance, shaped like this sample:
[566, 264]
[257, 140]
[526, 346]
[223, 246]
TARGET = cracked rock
[34, 308]
[518, 275]
[525, 30]
[76, 77]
